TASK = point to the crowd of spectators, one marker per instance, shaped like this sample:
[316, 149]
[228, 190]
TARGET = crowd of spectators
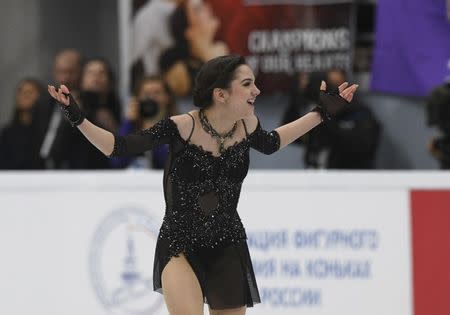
[37, 136]
[165, 60]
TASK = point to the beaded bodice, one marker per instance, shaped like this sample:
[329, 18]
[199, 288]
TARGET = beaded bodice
[201, 190]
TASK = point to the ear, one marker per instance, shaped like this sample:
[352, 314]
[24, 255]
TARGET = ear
[219, 95]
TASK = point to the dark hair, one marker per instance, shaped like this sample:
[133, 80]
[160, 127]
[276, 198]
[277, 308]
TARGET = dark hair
[108, 68]
[112, 99]
[28, 80]
[216, 73]
[171, 106]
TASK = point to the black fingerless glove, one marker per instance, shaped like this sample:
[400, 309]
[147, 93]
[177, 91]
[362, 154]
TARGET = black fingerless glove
[326, 100]
[323, 113]
[72, 112]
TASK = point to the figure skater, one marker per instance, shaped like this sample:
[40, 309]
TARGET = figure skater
[201, 253]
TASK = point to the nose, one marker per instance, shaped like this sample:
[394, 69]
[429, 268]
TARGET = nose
[256, 91]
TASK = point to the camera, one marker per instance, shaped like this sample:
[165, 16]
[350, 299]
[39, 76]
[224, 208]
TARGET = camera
[148, 108]
[438, 114]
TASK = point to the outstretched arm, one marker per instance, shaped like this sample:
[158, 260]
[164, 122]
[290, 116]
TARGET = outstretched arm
[100, 138]
[294, 130]
[109, 144]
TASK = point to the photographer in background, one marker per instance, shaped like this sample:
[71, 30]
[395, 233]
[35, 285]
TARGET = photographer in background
[348, 141]
[438, 114]
[152, 101]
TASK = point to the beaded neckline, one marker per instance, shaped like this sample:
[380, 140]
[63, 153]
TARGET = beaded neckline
[200, 149]
[206, 125]
[210, 153]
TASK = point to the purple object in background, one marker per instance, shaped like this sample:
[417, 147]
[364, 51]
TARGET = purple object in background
[412, 47]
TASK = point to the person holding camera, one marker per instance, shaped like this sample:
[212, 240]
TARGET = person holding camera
[152, 101]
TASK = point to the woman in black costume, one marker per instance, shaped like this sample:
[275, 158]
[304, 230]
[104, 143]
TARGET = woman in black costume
[201, 252]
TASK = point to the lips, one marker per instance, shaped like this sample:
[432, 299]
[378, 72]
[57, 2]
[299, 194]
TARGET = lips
[251, 102]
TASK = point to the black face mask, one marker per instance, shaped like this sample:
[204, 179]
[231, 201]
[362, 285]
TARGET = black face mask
[148, 108]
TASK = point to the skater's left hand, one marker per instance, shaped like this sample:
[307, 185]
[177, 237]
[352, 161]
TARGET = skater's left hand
[345, 91]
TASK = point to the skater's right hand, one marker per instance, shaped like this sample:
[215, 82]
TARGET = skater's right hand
[70, 108]
[61, 95]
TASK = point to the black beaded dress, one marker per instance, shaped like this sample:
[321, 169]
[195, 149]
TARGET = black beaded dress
[201, 192]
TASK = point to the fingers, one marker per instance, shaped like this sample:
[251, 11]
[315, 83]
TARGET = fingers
[58, 94]
[51, 90]
[347, 93]
[342, 87]
[64, 89]
[61, 96]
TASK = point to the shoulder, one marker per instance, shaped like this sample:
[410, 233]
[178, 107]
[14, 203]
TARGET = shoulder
[183, 123]
[251, 123]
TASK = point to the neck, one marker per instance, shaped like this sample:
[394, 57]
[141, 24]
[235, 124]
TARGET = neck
[220, 119]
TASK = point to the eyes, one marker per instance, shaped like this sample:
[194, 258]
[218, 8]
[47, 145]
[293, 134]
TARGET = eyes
[247, 82]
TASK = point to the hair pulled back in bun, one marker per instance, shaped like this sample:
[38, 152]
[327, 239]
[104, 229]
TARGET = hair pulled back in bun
[216, 73]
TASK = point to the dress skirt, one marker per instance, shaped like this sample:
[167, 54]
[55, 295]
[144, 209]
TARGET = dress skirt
[225, 274]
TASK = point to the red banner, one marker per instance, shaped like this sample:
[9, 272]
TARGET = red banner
[278, 40]
[282, 40]
[431, 251]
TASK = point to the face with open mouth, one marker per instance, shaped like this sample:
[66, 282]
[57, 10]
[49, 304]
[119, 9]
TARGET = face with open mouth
[243, 92]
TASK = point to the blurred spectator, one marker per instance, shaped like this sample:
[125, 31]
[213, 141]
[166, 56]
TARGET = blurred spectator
[20, 140]
[151, 102]
[349, 141]
[193, 25]
[99, 101]
[98, 94]
[303, 97]
[66, 70]
[151, 36]
[69, 149]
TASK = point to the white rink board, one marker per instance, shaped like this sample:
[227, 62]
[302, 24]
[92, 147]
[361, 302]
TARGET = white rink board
[332, 252]
[82, 243]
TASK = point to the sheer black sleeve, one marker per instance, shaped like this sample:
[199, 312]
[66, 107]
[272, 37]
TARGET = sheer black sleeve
[132, 144]
[264, 141]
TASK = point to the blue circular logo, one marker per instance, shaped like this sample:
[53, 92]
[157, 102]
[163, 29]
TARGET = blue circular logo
[121, 262]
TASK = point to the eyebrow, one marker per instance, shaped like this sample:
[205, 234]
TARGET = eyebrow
[246, 79]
